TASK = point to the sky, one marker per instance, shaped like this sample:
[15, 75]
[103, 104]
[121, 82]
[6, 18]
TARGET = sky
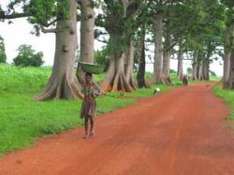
[20, 33]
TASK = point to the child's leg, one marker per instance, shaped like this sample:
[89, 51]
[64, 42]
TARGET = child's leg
[91, 125]
[86, 126]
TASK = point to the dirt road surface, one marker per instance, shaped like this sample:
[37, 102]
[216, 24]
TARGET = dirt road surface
[181, 132]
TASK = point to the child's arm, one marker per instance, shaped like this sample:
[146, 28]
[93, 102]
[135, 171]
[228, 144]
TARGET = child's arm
[97, 90]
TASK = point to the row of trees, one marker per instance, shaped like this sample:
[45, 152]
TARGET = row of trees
[196, 28]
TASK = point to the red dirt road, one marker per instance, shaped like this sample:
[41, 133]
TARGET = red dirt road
[181, 132]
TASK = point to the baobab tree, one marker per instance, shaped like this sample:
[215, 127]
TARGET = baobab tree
[118, 21]
[228, 77]
[140, 57]
[60, 18]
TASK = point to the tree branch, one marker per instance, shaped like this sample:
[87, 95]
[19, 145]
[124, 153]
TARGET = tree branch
[50, 23]
[48, 30]
[14, 15]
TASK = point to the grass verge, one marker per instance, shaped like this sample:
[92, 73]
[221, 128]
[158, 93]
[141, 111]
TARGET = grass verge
[227, 96]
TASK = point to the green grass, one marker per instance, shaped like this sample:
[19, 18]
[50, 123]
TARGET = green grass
[175, 80]
[215, 78]
[227, 96]
[23, 120]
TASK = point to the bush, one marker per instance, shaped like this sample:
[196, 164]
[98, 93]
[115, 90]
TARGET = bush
[2, 51]
[28, 57]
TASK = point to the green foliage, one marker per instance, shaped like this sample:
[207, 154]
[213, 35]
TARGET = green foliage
[175, 80]
[228, 3]
[189, 71]
[119, 21]
[228, 96]
[23, 120]
[229, 25]
[44, 11]
[2, 51]
[39, 12]
[28, 57]
[172, 71]
[206, 28]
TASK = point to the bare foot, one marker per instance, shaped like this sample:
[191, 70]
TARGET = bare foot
[86, 136]
[92, 134]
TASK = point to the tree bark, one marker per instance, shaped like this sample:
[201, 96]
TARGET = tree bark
[195, 66]
[166, 56]
[229, 33]
[63, 83]
[200, 72]
[226, 69]
[130, 64]
[115, 77]
[206, 68]
[87, 35]
[166, 63]
[180, 64]
[87, 31]
[141, 59]
[158, 52]
[231, 77]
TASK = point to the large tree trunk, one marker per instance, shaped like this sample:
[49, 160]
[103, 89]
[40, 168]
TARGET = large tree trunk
[180, 64]
[226, 69]
[115, 77]
[206, 62]
[129, 65]
[231, 77]
[194, 73]
[206, 69]
[63, 83]
[87, 35]
[166, 63]
[141, 59]
[227, 56]
[195, 66]
[166, 56]
[158, 51]
[87, 31]
[200, 72]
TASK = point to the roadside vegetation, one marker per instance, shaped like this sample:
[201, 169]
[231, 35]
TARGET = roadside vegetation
[228, 96]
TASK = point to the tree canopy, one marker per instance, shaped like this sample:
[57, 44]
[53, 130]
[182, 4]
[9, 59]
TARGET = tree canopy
[28, 57]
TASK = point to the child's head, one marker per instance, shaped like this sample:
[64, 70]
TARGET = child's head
[88, 77]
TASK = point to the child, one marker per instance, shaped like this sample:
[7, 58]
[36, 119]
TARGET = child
[88, 108]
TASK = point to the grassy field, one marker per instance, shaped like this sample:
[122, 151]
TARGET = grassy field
[227, 96]
[23, 120]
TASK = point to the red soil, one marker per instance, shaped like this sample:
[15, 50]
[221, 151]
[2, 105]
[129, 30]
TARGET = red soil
[182, 132]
